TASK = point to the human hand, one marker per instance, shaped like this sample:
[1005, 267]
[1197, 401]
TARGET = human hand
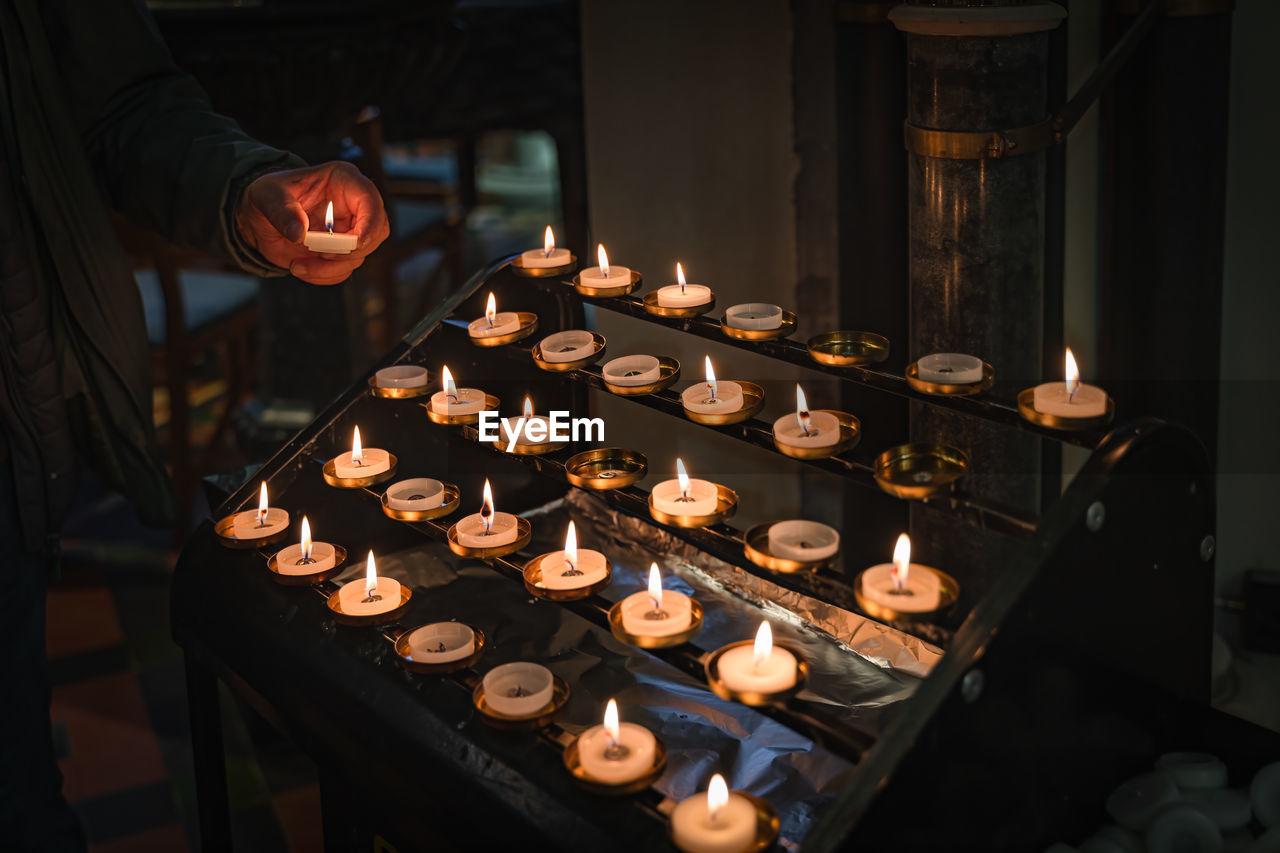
[276, 210]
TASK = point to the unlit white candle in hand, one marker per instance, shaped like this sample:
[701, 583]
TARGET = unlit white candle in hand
[327, 241]
[486, 528]
[454, 400]
[712, 396]
[658, 612]
[681, 294]
[370, 596]
[572, 568]
[616, 753]
[307, 557]
[1071, 398]
[684, 495]
[805, 428]
[360, 462]
[760, 667]
[493, 324]
[547, 256]
[902, 585]
[259, 523]
[949, 368]
[718, 821]
[604, 275]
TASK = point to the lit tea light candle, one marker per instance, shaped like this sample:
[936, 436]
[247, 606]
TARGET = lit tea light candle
[572, 345]
[487, 528]
[805, 428]
[902, 585]
[441, 642]
[630, 370]
[685, 496]
[572, 568]
[1072, 398]
[804, 541]
[401, 376]
[657, 612]
[518, 689]
[759, 316]
[361, 462]
[307, 557]
[528, 429]
[681, 294]
[717, 821]
[454, 400]
[493, 324]
[328, 242]
[415, 494]
[949, 368]
[604, 275]
[713, 396]
[372, 596]
[547, 256]
[616, 753]
[262, 522]
[760, 667]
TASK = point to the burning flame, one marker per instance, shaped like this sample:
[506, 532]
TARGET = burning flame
[682, 477]
[602, 258]
[306, 539]
[486, 508]
[901, 561]
[328, 218]
[713, 387]
[1072, 374]
[571, 548]
[680, 277]
[548, 242]
[491, 310]
[370, 575]
[262, 504]
[611, 722]
[528, 406]
[655, 586]
[802, 411]
[717, 796]
[450, 389]
[357, 453]
[763, 646]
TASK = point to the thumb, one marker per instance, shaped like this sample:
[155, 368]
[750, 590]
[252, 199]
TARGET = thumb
[277, 203]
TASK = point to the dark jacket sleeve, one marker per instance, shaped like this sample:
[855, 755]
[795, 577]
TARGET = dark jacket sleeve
[165, 158]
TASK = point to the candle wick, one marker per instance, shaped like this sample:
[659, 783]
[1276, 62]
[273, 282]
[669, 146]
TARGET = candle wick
[305, 560]
[372, 596]
[656, 614]
[616, 751]
[572, 571]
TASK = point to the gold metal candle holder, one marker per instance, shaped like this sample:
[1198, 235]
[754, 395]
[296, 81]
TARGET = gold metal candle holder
[451, 499]
[651, 306]
[391, 393]
[752, 403]
[788, 326]
[726, 505]
[366, 620]
[606, 468]
[518, 267]
[339, 559]
[605, 292]
[331, 477]
[668, 373]
[1027, 408]
[950, 389]
[767, 823]
[531, 449]
[533, 580]
[647, 642]
[920, 469]
[404, 655]
[850, 435]
[846, 348]
[528, 325]
[225, 529]
[948, 592]
[755, 544]
[524, 532]
[490, 405]
[597, 344]
[573, 763]
[754, 697]
[539, 719]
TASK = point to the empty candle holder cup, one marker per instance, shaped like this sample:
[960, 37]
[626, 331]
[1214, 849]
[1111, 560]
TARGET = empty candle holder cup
[573, 763]
[519, 696]
[632, 281]
[527, 325]
[650, 641]
[364, 620]
[850, 434]
[439, 648]
[399, 382]
[419, 499]
[296, 578]
[950, 389]
[848, 348]
[726, 505]
[756, 546]
[520, 268]
[743, 323]
[565, 351]
[606, 468]
[617, 381]
[716, 680]
[524, 532]
[651, 306]
[920, 470]
[752, 403]
[491, 404]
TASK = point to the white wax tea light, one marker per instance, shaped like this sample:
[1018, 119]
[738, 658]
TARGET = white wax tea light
[327, 241]
[401, 376]
[684, 495]
[949, 368]
[903, 585]
[755, 316]
[486, 528]
[547, 256]
[656, 612]
[805, 541]
[307, 557]
[361, 461]
[441, 642]
[567, 346]
[712, 396]
[453, 400]
[416, 494]
[493, 324]
[630, 370]
[616, 753]
[760, 668]
[1072, 398]
[805, 428]
[371, 596]
[604, 275]
[681, 294]
[718, 821]
[262, 522]
[572, 568]
[518, 689]
[529, 429]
